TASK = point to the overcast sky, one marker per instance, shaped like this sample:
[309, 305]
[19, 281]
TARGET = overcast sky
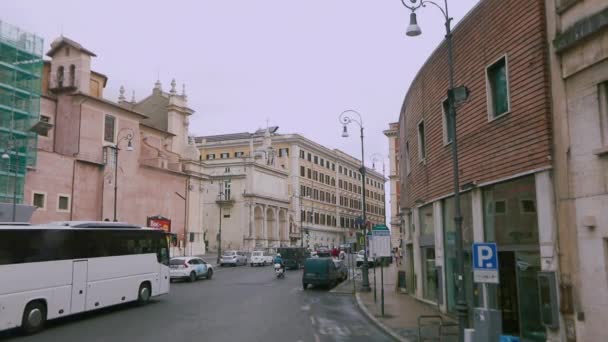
[298, 64]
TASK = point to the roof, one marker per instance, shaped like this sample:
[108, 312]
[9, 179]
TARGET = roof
[59, 42]
[236, 136]
[155, 107]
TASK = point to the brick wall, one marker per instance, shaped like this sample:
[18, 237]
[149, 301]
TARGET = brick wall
[488, 150]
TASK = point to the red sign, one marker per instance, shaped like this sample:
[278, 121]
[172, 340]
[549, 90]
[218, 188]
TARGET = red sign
[160, 222]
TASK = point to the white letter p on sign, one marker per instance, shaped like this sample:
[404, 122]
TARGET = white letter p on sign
[484, 254]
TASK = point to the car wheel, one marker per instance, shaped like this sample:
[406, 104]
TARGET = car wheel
[144, 293]
[34, 317]
[192, 277]
[209, 274]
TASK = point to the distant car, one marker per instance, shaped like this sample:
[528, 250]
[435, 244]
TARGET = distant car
[261, 258]
[323, 252]
[361, 259]
[233, 258]
[342, 270]
[190, 268]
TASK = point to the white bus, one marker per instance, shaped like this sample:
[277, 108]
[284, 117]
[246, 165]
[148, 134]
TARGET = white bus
[60, 269]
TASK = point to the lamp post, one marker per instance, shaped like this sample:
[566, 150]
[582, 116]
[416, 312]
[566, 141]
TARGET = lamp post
[454, 94]
[345, 120]
[129, 138]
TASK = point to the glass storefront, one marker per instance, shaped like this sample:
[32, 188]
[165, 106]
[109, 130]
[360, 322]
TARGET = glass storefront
[511, 221]
[427, 253]
[449, 238]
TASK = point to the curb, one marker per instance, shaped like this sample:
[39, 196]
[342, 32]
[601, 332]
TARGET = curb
[377, 322]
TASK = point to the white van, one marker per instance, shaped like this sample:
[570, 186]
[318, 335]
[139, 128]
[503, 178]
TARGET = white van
[261, 258]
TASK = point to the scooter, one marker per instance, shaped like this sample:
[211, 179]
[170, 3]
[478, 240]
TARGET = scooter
[279, 271]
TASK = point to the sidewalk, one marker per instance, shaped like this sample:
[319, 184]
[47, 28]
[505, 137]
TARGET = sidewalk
[401, 311]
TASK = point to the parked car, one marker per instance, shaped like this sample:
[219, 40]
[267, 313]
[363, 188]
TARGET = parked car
[320, 272]
[342, 269]
[346, 247]
[190, 268]
[233, 258]
[360, 259]
[261, 258]
[323, 252]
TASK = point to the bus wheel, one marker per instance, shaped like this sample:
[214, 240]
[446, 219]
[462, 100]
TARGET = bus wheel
[34, 317]
[144, 293]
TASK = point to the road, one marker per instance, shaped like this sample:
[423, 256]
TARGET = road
[238, 304]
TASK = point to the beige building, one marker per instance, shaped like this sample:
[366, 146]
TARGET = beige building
[577, 33]
[396, 223]
[293, 191]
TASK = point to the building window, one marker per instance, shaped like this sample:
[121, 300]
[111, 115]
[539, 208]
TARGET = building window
[497, 88]
[60, 76]
[603, 97]
[333, 181]
[109, 129]
[39, 200]
[302, 154]
[322, 162]
[447, 122]
[226, 189]
[309, 157]
[407, 158]
[339, 169]
[315, 175]
[46, 119]
[309, 173]
[302, 171]
[63, 203]
[239, 154]
[72, 75]
[333, 166]
[211, 156]
[283, 152]
[316, 160]
[421, 141]
[224, 155]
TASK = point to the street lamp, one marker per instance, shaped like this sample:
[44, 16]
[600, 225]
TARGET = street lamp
[129, 138]
[454, 95]
[345, 120]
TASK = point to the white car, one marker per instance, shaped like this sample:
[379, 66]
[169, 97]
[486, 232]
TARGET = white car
[360, 259]
[190, 268]
[261, 258]
[233, 258]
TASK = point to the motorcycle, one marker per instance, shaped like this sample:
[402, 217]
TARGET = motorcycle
[279, 271]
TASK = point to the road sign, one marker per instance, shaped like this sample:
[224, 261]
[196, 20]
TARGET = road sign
[485, 263]
[380, 244]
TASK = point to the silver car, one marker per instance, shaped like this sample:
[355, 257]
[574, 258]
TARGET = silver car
[233, 258]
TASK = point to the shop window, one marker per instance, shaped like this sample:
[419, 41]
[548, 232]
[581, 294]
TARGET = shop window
[497, 88]
[510, 212]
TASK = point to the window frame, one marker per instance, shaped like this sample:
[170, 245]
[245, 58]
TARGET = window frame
[103, 131]
[444, 122]
[47, 120]
[44, 198]
[225, 155]
[421, 142]
[210, 156]
[69, 203]
[489, 97]
[603, 111]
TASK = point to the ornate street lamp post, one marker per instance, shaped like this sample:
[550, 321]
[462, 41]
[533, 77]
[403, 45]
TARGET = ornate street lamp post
[129, 138]
[454, 95]
[345, 120]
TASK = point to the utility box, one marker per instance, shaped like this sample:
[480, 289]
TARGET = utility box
[487, 324]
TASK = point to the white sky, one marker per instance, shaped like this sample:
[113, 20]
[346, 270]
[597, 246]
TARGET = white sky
[298, 64]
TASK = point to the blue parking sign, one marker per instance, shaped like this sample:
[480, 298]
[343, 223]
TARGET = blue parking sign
[485, 263]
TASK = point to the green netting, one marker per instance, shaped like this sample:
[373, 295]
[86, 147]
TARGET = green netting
[20, 86]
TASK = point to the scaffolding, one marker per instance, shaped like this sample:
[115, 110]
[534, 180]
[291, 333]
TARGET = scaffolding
[20, 87]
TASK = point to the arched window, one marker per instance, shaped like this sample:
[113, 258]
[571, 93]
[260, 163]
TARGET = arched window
[72, 74]
[60, 77]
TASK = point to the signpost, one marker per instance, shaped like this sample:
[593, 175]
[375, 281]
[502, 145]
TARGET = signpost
[380, 244]
[485, 263]
[487, 321]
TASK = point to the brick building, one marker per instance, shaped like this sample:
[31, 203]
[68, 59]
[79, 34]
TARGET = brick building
[505, 155]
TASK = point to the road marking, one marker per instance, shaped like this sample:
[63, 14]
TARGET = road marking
[312, 320]
[305, 307]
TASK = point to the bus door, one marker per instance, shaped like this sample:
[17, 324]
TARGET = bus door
[79, 286]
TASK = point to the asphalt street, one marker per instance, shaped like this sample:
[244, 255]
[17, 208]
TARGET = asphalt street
[239, 304]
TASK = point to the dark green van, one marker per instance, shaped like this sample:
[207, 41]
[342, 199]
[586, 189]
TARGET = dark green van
[321, 271]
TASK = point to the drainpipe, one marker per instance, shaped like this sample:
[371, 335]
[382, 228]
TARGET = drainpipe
[74, 155]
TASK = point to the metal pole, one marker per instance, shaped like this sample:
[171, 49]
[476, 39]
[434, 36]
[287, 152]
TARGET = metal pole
[352, 265]
[219, 234]
[15, 187]
[461, 306]
[301, 222]
[365, 269]
[115, 180]
[375, 299]
[382, 287]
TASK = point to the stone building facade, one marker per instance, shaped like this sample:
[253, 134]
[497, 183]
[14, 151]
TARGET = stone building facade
[504, 134]
[323, 189]
[577, 34]
[396, 223]
[78, 177]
